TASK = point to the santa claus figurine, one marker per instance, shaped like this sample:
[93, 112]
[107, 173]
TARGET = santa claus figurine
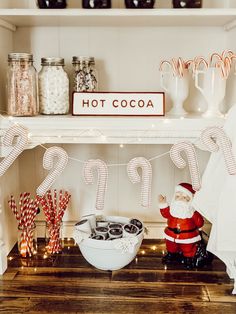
[181, 234]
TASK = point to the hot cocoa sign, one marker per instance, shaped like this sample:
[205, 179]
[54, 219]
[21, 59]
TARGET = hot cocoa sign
[119, 104]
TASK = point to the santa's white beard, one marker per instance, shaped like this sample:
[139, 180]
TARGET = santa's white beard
[181, 209]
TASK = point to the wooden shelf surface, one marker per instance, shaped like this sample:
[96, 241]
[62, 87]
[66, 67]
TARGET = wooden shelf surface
[118, 17]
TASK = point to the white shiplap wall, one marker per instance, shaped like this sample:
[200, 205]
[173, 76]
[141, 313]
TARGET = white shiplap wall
[127, 59]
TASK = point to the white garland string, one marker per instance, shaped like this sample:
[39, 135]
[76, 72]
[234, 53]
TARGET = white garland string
[100, 132]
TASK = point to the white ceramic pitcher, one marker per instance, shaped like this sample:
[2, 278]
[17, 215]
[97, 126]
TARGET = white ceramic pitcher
[213, 86]
[178, 88]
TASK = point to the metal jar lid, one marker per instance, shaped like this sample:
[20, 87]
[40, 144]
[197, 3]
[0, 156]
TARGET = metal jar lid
[53, 61]
[20, 56]
[81, 59]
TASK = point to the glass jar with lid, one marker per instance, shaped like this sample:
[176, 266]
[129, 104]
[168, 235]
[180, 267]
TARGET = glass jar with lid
[21, 85]
[85, 75]
[53, 87]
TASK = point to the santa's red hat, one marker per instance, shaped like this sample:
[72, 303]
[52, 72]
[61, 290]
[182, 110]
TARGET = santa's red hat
[186, 188]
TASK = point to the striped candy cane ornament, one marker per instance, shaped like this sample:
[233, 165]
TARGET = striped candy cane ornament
[18, 148]
[101, 167]
[188, 148]
[55, 170]
[146, 180]
[221, 142]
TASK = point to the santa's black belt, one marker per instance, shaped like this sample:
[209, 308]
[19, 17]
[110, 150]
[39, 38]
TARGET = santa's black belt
[178, 231]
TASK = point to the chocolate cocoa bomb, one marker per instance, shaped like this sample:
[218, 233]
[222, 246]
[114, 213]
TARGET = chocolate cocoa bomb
[115, 231]
[101, 229]
[137, 223]
[131, 228]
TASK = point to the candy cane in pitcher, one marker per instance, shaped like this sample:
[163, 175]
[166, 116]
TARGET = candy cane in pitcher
[102, 169]
[222, 142]
[188, 148]
[146, 181]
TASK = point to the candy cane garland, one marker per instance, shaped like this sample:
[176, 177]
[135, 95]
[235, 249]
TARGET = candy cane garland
[18, 148]
[132, 169]
[102, 169]
[222, 142]
[188, 148]
[48, 163]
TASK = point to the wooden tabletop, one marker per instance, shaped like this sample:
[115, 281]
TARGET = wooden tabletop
[66, 283]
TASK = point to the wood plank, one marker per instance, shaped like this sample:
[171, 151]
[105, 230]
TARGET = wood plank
[221, 293]
[71, 261]
[75, 261]
[13, 305]
[116, 290]
[36, 261]
[155, 263]
[69, 274]
[9, 274]
[111, 306]
[171, 276]
[125, 275]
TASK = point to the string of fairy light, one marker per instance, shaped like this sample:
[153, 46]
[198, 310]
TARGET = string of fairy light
[103, 137]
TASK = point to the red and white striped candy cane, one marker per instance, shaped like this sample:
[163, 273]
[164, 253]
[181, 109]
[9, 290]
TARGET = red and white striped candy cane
[18, 148]
[101, 167]
[221, 142]
[55, 171]
[13, 206]
[146, 179]
[188, 148]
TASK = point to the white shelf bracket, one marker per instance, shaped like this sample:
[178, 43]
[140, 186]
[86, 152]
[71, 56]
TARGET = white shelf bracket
[229, 26]
[7, 25]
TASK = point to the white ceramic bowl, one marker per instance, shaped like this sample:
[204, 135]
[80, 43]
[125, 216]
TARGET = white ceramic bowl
[103, 254]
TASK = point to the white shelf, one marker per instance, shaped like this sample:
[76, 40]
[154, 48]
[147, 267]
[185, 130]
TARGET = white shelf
[112, 130]
[220, 17]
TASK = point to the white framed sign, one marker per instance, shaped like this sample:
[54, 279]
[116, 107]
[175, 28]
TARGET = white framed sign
[118, 104]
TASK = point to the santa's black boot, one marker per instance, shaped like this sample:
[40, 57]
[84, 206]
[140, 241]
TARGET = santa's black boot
[189, 262]
[170, 257]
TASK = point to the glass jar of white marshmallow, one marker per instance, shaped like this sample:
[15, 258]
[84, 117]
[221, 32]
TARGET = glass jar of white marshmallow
[53, 84]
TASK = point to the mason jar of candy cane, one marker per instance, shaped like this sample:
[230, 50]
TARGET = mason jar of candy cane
[27, 240]
[53, 87]
[85, 74]
[21, 85]
[54, 237]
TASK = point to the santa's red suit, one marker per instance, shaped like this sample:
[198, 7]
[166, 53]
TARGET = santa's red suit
[182, 234]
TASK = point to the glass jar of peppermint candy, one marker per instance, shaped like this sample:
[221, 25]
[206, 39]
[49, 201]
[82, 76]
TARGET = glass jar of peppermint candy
[85, 74]
[22, 85]
[53, 87]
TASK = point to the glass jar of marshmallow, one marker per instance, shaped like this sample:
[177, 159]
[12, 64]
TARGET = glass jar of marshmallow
[53, 87]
